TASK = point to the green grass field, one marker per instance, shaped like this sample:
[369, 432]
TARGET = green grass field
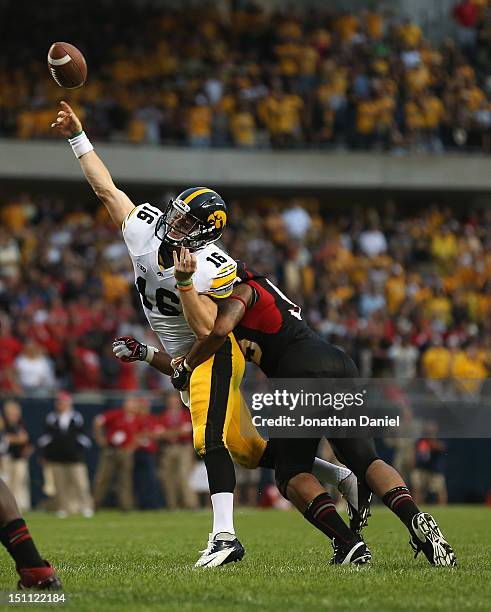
[144, 562]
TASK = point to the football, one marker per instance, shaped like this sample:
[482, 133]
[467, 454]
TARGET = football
[67, 65]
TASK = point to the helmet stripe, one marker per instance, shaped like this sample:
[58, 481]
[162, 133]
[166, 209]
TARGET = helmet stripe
[196, 193]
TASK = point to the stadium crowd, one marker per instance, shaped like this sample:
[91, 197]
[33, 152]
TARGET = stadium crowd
[244, 77]
[406, 293]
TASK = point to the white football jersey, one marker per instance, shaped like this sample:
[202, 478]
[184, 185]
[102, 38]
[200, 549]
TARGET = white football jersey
[215, 275]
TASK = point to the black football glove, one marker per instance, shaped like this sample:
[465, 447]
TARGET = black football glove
[128, 348]
[180, 378]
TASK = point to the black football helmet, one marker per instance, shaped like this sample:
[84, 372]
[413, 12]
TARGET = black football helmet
[195, 218]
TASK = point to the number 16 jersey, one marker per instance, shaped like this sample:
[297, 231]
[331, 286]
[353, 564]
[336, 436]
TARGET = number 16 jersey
[215, 276]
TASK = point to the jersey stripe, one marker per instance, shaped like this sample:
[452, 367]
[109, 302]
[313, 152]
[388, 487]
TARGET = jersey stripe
[227, 270]
[220, 296]
[127, 217]
[196, 193]
[222, 281]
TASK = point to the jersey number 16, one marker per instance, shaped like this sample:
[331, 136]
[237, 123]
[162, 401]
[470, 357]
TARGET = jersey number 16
[162, 299]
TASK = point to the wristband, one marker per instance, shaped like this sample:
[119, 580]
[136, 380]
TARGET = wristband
[175, 362]
[151, 350]
[184, 283]
[80, 144]
[185, 287]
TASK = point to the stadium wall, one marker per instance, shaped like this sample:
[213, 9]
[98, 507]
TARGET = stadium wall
[146, 165]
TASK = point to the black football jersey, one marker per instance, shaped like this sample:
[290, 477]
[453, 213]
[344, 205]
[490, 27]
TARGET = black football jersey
[270, 325]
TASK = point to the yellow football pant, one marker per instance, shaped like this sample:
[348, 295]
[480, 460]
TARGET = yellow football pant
[219, 414]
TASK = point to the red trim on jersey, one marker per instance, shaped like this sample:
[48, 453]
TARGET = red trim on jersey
[265, 315]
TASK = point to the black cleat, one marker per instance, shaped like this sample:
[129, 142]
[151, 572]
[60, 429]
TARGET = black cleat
[356, 552]
[222, 549]
[39, 578]
[358, 517]
[427, 537]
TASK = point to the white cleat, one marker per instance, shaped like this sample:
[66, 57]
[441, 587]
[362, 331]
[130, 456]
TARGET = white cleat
[427, 537]
[222, 549]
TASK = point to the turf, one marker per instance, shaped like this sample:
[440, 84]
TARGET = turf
[144, 561]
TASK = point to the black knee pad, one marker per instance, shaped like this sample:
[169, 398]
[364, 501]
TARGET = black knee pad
[284, 473]
[356, 453]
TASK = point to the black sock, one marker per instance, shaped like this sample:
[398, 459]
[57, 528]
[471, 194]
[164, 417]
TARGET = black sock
[220, 470]
[17, 540]
[400, 501]
[323, 515]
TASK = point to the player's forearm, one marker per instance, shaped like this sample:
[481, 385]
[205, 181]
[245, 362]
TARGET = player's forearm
[97, 175]
[204, 349]
[117, 202]
[129, 349]
[199, 311]
[161, 361]
[230, 312]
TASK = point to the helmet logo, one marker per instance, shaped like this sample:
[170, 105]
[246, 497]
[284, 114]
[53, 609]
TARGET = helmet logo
[219, 218]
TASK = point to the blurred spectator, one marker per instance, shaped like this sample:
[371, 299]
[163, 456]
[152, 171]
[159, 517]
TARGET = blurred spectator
[469, 371]
[10, 347]
[10, 258]
[404, 452]
[86, 367]
[176, 454]
[436, 360]
[116, 433]
[63, 445]
[243, 127]
[199, 123]
[404, 357]
[297, 221]
[16, 459]
[198, 484]
[281, 114]
[145, 461]
[371, 300]
[372, 241]
[247, 486]
[466, 15]
[428, 476]
[34, 370]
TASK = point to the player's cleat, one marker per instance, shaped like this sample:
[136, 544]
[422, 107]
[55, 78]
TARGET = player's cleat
[40, 578]
[357, 552]
[358, 514]
[223, 548]
[427, 537]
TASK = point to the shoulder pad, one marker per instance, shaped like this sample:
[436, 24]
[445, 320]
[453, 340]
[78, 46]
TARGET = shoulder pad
[139, 229]
[216, 273]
